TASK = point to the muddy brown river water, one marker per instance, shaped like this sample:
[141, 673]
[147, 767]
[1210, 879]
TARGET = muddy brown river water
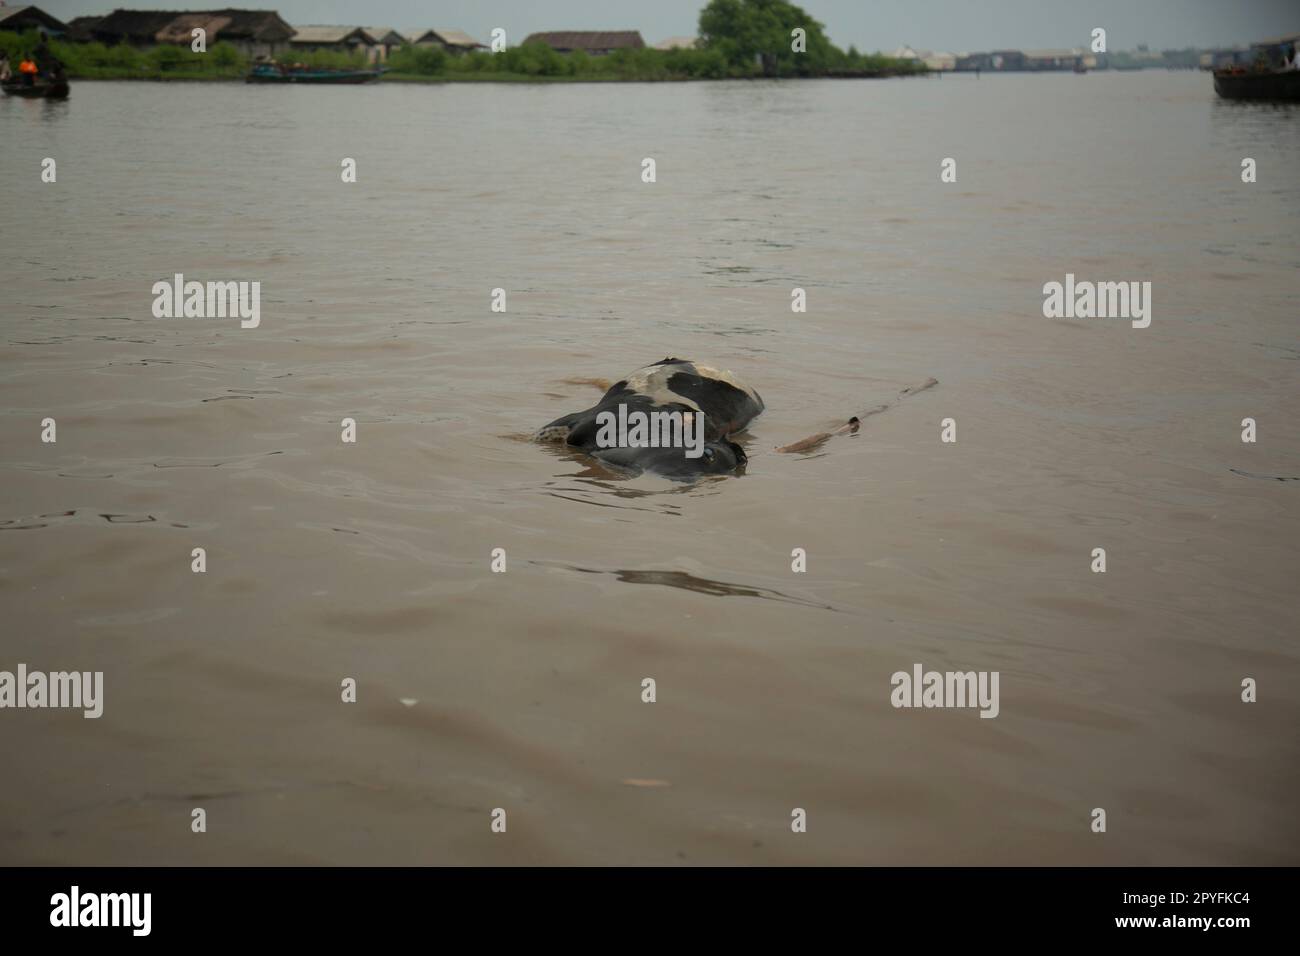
[523, 690]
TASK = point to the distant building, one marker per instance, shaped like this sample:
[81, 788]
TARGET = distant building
[339, 39]
[931, 60]
[1052, 59]
[974, 61]
[1006, 60]
[940, 61]
[1015, 60]
[22, 19]
[386, 41]
[596, 43]
[453, 41]
[253, 32]
[678, 43]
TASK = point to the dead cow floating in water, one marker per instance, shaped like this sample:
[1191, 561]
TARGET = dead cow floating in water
[674, 418]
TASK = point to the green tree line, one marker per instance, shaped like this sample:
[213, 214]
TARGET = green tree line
[95, 60]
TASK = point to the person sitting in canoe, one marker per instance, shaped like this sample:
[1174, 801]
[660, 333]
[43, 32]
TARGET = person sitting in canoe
[6, 74]
[47, 64]
[27, 71]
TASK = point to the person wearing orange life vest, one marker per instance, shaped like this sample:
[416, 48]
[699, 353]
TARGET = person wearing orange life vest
[27, 70]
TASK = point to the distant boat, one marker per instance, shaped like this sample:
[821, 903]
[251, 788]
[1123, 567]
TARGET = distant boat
[42, 89]
[1239, 84]
[270, 73]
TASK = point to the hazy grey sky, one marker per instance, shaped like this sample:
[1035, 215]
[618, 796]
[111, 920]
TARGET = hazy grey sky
[950, 25]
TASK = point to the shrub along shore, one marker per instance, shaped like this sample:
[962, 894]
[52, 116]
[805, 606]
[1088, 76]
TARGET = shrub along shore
[533, 62]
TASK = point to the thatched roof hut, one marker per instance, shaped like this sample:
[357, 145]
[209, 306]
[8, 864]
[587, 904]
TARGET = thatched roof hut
[453, 41]
[253, 30]
[181, 29]
[81, 29]
[137, 27]
[595, 42]
[20, 19]
[386, 41]
[250, 26]
[385, 36]
[318, 37]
